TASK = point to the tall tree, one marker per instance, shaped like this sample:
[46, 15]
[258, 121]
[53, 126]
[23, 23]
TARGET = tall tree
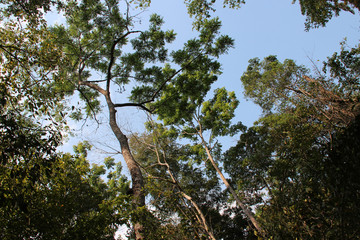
[41, 189]
[203, 123]
[183, 189]
[292, 152]
[94, 40]
[168, 181]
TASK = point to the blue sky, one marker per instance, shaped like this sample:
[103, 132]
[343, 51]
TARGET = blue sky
[259, 28]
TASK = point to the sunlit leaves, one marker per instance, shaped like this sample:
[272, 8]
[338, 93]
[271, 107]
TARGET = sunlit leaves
[268, 82]
[202, 9]
[181, 97]
[30, 72]
[345, 66]
[218, 113]
[31, 11]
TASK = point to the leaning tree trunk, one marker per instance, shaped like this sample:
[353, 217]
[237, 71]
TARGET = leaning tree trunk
[201, 219]
[134, 168]
[245, 209]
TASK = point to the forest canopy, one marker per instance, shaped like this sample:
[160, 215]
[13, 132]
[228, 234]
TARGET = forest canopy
[293, 174]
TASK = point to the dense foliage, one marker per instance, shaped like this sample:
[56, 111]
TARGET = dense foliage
[40, 193]
[294, 160]
[292, 175]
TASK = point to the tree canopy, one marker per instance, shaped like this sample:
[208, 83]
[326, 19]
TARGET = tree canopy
[293, 174]
[292, 151]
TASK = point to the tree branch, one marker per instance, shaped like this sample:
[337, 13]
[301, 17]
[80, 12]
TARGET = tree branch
[93, 86]
[153, 97]
[140, 105]
[112, 57]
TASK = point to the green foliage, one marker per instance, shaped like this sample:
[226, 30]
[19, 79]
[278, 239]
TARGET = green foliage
[285, 158]
[278, 87]
[218, 113]
[31, 81]
[269, 82]
[201, 9]
[89, 48]
[345, 67]
[213, 117]
[157, 151]
[318, 13]
[199, 70]
[39, 188]
[31, 10]
[39, 192]
[293, 163]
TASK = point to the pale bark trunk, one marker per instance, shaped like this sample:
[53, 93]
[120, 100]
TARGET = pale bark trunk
[247, 212]
[134, 168]
[201, 218]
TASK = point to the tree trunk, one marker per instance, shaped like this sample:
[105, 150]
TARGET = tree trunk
[203, 219]
[134, 168]
[200, 216]
[247, 212]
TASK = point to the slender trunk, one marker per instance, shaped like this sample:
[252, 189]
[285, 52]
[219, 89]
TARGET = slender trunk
[134, 168]
[247, 212]
[203, 220]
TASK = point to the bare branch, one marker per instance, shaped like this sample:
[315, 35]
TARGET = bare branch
[140, 105]
[112, 57]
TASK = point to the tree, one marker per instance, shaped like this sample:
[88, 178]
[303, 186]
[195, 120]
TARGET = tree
[29, 9]
[291, 154]
[39, 187]
[301, 154]
[94, 40]
[332, 99]
[41, 190]
[210, 118]
[30, 77]
[318, 13]
[302, 189]
[168, 182]
[181, 188]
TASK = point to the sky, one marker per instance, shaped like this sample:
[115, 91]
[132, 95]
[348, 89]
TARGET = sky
[259, 28]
